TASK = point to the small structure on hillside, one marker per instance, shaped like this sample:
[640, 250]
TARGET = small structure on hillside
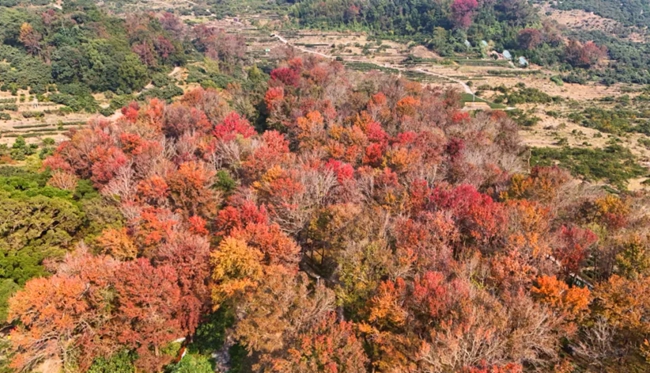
[507, 55]
[523, 62]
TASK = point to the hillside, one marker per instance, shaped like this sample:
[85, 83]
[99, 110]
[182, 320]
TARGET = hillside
[627, 12]
[323, 186]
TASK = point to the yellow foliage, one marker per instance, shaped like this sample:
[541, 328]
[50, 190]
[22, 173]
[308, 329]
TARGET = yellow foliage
[236, 269]
[118, 244]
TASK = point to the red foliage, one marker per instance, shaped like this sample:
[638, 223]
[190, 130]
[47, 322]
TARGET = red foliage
[343, 171]
[67, 309]
[584, 55]
[328, 347]
[286, 75]
[131, 111]
[219, 44]
[189, 255]
[460, 117]
[107, 161]
[190, 189]
[477, 215]
[374, 154]
[179, 119]
[375, 133]
[146, 53]
[172, 23]
[153, 191]
[197, 225]
[231, 218]
[455, 148]
[147, 317]
[155, 226]
[273, 96]
[164, 48]
[232, 126]
[530, 38]
[462, 12]
[274, 151]
[573, 246]
[251, 224]
[376, 199]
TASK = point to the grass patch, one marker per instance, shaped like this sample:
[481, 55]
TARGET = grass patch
[27, 126]
[513, 73]
[366, 66]
[423, 78]
[475, 62]
[466, 97]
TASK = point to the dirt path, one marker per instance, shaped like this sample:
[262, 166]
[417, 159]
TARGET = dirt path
[466, 88]
[175, 71]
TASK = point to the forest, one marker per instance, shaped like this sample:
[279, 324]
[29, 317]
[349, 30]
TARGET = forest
[301, 217]
[471, 28]
[367, 225]
[65, 56]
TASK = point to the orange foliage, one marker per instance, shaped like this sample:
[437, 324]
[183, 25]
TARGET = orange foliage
[407, 106]
[570, 302]
[117, 243]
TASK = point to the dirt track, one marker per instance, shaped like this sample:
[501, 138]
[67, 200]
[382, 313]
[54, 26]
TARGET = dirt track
[465, 87]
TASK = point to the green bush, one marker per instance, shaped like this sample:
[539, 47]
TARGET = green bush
[574, 78]
[557, 80]
[9, 107]
[614, 163]
[107, 112]
[523, 95]
[32, 114]
[121, 362]
[160, 80]
[120, 101]
[210, 335]
[523, 118]
[193, 364]
[616, 121]
[79, 102]
[225, 182]
[167, 93]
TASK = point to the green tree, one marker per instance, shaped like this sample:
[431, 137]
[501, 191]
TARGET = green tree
[634, 259]
[119, 363]
[193, 364]
[33, 229]
[132, 74]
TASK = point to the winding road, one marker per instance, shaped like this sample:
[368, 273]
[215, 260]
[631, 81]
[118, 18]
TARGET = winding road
[466, 88]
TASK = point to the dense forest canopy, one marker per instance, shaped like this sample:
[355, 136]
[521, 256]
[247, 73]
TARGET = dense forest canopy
[427, 21]
[67, 55]
[82, 48]
[368, 225]
[301, 217]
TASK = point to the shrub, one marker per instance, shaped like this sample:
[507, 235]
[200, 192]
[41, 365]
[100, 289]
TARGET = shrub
[614, 163]
[32, 114]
